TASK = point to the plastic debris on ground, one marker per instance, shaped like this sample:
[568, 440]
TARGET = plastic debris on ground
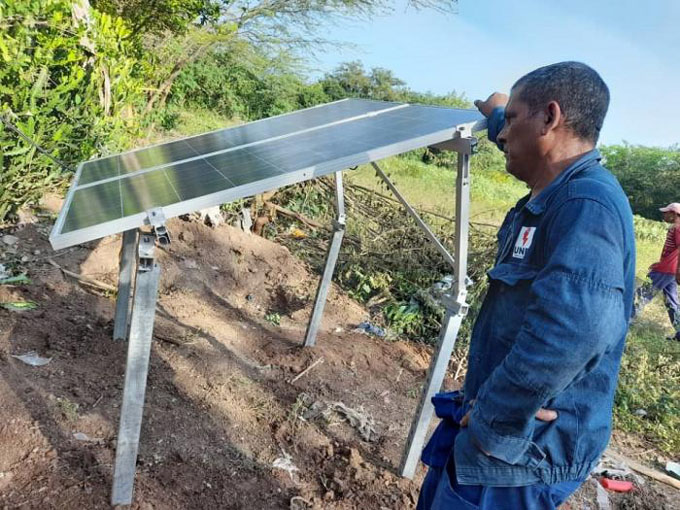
[440, 288]
[673, 468]
[81, 436]
[285, 463]
[32, 358]
[357, 418]
[212, 216]
[370, 329]
[19, 306]
[6, 279]
[616, 485]
[9, 240]
[245, 221]
[610, 468]
[602, 498]
[4, 272]
[189, 264]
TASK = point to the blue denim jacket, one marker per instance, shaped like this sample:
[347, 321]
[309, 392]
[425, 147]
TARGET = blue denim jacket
[550, 332]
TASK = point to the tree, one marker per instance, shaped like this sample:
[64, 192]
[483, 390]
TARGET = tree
[272, 25]
[158, 16]
[650, 176]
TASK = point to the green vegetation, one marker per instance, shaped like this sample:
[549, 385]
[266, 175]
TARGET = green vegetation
[648, 397]
[649, 175]
[67, 82]
[83, 82]
[273, 318]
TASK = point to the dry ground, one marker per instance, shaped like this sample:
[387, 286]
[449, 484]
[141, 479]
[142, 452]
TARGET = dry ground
[220, 407]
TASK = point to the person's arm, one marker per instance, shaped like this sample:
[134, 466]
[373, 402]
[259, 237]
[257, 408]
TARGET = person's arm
[576, 313]
[493, 108]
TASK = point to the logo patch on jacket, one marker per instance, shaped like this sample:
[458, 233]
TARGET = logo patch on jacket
[523, 243]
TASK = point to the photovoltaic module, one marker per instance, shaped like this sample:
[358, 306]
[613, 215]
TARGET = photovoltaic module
[114, 194]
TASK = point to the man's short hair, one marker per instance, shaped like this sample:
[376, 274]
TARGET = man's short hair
[581, 93]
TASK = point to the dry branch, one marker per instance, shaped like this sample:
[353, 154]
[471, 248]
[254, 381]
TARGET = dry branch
[306, 370]
[84, 279]
[641, 468]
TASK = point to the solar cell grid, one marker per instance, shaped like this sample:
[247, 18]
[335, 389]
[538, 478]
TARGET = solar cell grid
[229, 164]
[208, 143]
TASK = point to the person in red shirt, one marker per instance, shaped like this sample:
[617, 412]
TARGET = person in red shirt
[664, 276]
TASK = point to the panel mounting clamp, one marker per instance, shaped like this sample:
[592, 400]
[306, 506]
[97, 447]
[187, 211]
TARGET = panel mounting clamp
[456, 305]
[156, 218]
[145, 251]
[462, 142]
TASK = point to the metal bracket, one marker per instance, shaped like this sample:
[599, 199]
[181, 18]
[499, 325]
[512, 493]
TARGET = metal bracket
[340, 223]
[156, 219]
[455, 305]
[147, 246]
[463, 142]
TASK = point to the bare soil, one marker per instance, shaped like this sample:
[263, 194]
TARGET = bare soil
[220, 404]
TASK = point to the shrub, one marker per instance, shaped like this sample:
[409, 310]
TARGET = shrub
[68, 81]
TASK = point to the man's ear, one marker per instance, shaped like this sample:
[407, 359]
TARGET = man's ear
[552, 117]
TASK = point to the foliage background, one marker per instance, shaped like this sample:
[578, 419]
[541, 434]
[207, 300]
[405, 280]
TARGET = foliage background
[83, 81]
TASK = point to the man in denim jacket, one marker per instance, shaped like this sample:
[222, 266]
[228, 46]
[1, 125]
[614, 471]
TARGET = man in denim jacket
[536, 410]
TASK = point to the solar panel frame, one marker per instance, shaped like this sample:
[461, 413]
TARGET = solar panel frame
[61, 239]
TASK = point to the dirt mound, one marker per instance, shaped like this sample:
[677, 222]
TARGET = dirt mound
[221, 410]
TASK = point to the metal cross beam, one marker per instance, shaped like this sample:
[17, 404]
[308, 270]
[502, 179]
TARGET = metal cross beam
[412, 212]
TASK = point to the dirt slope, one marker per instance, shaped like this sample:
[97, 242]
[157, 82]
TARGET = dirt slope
[220, 408]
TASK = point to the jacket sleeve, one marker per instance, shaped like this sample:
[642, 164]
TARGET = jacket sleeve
[576, 313]
[495, 124]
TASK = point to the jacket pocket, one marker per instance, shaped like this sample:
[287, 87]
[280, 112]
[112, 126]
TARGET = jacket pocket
[511, 283]
[471, 460]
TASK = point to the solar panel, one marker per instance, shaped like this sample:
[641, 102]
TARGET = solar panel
[113, 194]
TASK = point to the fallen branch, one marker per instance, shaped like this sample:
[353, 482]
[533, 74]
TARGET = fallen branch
[306, 370]
[297, 216]
[84, 279]
[169, 339]
[307, 221]
[641, 468]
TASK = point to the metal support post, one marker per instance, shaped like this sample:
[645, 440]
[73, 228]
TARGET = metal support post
[331, 260]
[136, 370]
[456, 309]
[127, 264]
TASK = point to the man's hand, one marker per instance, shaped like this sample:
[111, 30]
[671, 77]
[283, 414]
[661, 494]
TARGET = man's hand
[677, 278]
[542, 414]
[493, 101]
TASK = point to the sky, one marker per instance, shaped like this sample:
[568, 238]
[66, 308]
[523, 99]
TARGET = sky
[486, 45]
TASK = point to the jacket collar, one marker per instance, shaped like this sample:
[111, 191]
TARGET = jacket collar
[537, 204]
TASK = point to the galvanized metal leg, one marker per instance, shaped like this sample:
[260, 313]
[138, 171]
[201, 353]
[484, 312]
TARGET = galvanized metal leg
[331, 260]
[456, 311]
[127, 265]
[136, 370]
